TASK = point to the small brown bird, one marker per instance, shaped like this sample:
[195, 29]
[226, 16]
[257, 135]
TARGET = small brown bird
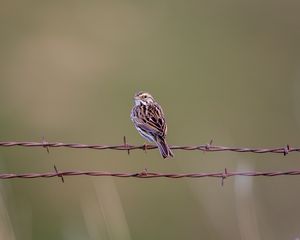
[148, 118]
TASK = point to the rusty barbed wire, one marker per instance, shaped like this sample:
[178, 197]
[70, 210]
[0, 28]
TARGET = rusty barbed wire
[146, 174]
[128, 147]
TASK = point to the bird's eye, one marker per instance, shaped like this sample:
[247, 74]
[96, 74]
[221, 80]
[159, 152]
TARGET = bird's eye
[144, 96]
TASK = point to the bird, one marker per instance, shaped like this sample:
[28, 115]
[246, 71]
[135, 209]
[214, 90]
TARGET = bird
[148, 118]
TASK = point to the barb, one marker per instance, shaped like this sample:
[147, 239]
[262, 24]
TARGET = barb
[127, 147]
[44, 142]
[224, 176]
[146, 174]
[59, 175]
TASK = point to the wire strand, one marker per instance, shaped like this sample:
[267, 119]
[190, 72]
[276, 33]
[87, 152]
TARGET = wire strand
[127, 147]
[146, 174]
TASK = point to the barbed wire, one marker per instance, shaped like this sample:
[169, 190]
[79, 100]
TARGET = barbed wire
[128, 147]
[146, 174]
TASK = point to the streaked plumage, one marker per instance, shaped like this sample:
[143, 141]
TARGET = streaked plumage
[148, 118]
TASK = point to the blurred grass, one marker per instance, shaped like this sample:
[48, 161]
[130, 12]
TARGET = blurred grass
[226, 71]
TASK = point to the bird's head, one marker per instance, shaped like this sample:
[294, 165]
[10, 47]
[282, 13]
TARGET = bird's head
[143, 98]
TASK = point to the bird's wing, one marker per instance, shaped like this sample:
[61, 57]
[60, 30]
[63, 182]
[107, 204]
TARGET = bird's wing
[150, 119]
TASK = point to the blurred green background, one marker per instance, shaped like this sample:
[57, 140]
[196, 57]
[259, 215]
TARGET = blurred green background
[222, 70]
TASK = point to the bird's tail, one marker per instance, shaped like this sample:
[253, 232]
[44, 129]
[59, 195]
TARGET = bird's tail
[164, 149]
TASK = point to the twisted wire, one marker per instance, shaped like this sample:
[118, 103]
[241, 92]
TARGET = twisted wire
[127, 147]
[146, 174]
